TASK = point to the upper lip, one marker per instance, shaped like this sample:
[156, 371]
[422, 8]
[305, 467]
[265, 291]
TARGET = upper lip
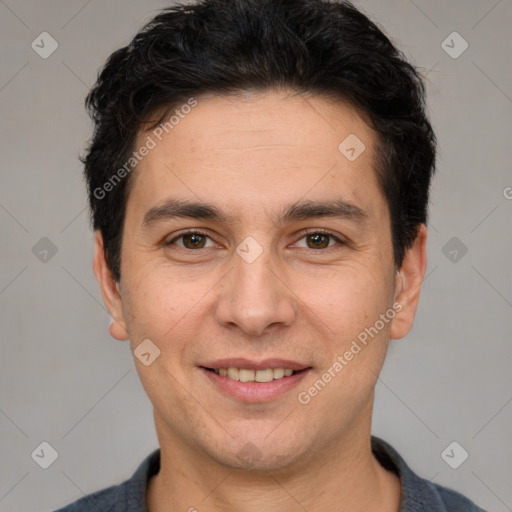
[240, 362]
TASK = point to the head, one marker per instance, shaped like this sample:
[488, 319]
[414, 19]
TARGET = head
[292, 136]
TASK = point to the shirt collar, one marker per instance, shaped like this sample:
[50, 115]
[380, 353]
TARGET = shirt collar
[417, 493]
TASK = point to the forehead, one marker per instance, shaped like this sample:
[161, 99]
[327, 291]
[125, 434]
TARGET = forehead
[271, 148]
[244, 120]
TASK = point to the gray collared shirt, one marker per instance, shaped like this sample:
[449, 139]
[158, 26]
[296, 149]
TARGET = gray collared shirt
[418, 494]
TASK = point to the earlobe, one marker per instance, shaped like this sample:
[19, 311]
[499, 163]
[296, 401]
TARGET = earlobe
[110, 290]
[118, 331]
[408, 284]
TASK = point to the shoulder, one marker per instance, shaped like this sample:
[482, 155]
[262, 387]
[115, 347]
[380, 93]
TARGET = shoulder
[128, 496]
[102, 501]
[454, 501]
[419, 494]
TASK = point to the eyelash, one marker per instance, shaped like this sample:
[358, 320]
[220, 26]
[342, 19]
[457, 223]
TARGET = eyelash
[304, 234]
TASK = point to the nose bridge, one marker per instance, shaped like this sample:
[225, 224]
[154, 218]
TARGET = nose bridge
[253, 296]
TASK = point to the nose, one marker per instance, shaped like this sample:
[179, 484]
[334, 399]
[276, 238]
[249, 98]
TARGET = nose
[254, 297]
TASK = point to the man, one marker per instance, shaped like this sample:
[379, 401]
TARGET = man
[258, 181]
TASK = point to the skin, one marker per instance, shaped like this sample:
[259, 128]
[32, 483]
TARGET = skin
[252, 156]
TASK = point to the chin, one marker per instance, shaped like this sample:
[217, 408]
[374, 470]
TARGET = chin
[260, 455]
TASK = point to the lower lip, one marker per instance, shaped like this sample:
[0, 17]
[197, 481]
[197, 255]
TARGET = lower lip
[255, 391]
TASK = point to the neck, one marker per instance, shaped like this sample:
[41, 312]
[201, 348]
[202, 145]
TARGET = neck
[343, 478]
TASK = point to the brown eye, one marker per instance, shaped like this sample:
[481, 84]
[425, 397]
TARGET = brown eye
[191, 240]
[318, 240]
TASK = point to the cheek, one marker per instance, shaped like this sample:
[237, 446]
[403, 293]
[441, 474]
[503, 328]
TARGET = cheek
[350, 299]
[156, 305]
[354, 344]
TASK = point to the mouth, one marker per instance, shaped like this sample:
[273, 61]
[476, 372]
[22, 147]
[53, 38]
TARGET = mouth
[250, 375]
[249, 381]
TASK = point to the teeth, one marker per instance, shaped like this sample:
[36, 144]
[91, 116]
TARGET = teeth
[233, 373]
[278, 373]
[246, 375]
[264, 375]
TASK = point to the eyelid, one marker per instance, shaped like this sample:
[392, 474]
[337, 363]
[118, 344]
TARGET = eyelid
[322, 231]
[301, 234]
[188, 232]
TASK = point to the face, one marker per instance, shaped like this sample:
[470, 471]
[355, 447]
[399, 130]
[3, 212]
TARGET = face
[253, 240]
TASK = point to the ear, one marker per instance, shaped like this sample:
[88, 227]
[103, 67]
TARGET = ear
[109, 290]
[408, 286]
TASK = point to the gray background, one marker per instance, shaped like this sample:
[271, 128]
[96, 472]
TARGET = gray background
[63, 380]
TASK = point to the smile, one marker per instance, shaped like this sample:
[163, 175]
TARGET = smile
[249, 375]
[250, 385]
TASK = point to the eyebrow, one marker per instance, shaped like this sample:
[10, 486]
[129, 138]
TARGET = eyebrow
[301, 210]
[338, 208]
[173, 208]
